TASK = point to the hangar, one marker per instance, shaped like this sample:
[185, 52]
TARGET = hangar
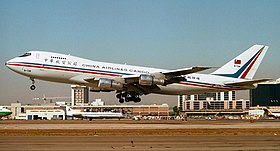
[266, 94]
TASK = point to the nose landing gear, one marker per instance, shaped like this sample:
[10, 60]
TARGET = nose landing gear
[32, 87]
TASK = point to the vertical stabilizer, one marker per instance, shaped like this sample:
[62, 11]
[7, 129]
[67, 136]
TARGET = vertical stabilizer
[245, 65]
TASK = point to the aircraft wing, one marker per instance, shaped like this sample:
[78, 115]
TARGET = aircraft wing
[247, 83]
[170, 76]
[143, 83]
[173, 74]
[184, 71]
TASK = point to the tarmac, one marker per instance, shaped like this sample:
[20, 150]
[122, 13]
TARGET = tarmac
[140, 135]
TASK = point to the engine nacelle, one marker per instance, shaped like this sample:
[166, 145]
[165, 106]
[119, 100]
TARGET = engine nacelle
[149, 80]
[109, 84]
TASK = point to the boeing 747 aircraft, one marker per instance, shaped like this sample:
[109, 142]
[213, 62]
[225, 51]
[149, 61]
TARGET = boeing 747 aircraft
[130, 82]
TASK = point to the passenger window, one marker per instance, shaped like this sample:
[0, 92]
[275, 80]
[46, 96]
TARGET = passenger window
[25, 55]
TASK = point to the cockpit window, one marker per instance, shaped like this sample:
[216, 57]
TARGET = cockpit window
[25, 55]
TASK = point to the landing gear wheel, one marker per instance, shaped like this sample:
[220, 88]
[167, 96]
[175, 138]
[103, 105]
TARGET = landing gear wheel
[124, 94]
[121, 100]
[32, 87]
[137, 100]
[119, 96]
[127, 99]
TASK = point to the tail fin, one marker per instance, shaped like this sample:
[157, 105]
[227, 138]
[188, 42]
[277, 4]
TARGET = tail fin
[245, 65]
[68, 108]
[68, 111]
[267, 111]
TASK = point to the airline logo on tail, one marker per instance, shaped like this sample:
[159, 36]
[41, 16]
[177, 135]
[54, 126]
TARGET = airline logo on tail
[237, 63]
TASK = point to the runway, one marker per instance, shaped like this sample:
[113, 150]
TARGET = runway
[137, 125]
[139, 135]
[140, 143]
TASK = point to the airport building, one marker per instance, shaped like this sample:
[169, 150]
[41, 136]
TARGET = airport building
[50, 112]
[56, 114]
[222, 96]
[181, 99]
[79, 95]
[29, 112]
[220, 103]
[266, 94]
[212, 101]
[191, 105]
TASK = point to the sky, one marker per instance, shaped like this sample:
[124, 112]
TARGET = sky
[167, 34]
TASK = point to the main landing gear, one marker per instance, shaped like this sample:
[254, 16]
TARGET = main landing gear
[128, 97]
[32, 87]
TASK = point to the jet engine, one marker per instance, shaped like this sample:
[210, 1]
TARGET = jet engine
[109, 84]
[149, 80]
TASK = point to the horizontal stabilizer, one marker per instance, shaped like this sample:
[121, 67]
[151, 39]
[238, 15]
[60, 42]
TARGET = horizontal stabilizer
[247, 83]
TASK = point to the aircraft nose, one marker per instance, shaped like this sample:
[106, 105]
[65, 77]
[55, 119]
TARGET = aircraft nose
[7, 64]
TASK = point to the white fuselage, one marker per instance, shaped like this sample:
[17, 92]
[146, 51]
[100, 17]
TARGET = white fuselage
[277, 115]
[4, 111]
[69, 69]
[78, 113]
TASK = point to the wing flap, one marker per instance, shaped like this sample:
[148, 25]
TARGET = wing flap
[184, 71]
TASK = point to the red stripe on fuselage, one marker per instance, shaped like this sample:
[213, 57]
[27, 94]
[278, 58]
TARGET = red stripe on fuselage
[251, 65]
[62, 69]
[208, 86]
